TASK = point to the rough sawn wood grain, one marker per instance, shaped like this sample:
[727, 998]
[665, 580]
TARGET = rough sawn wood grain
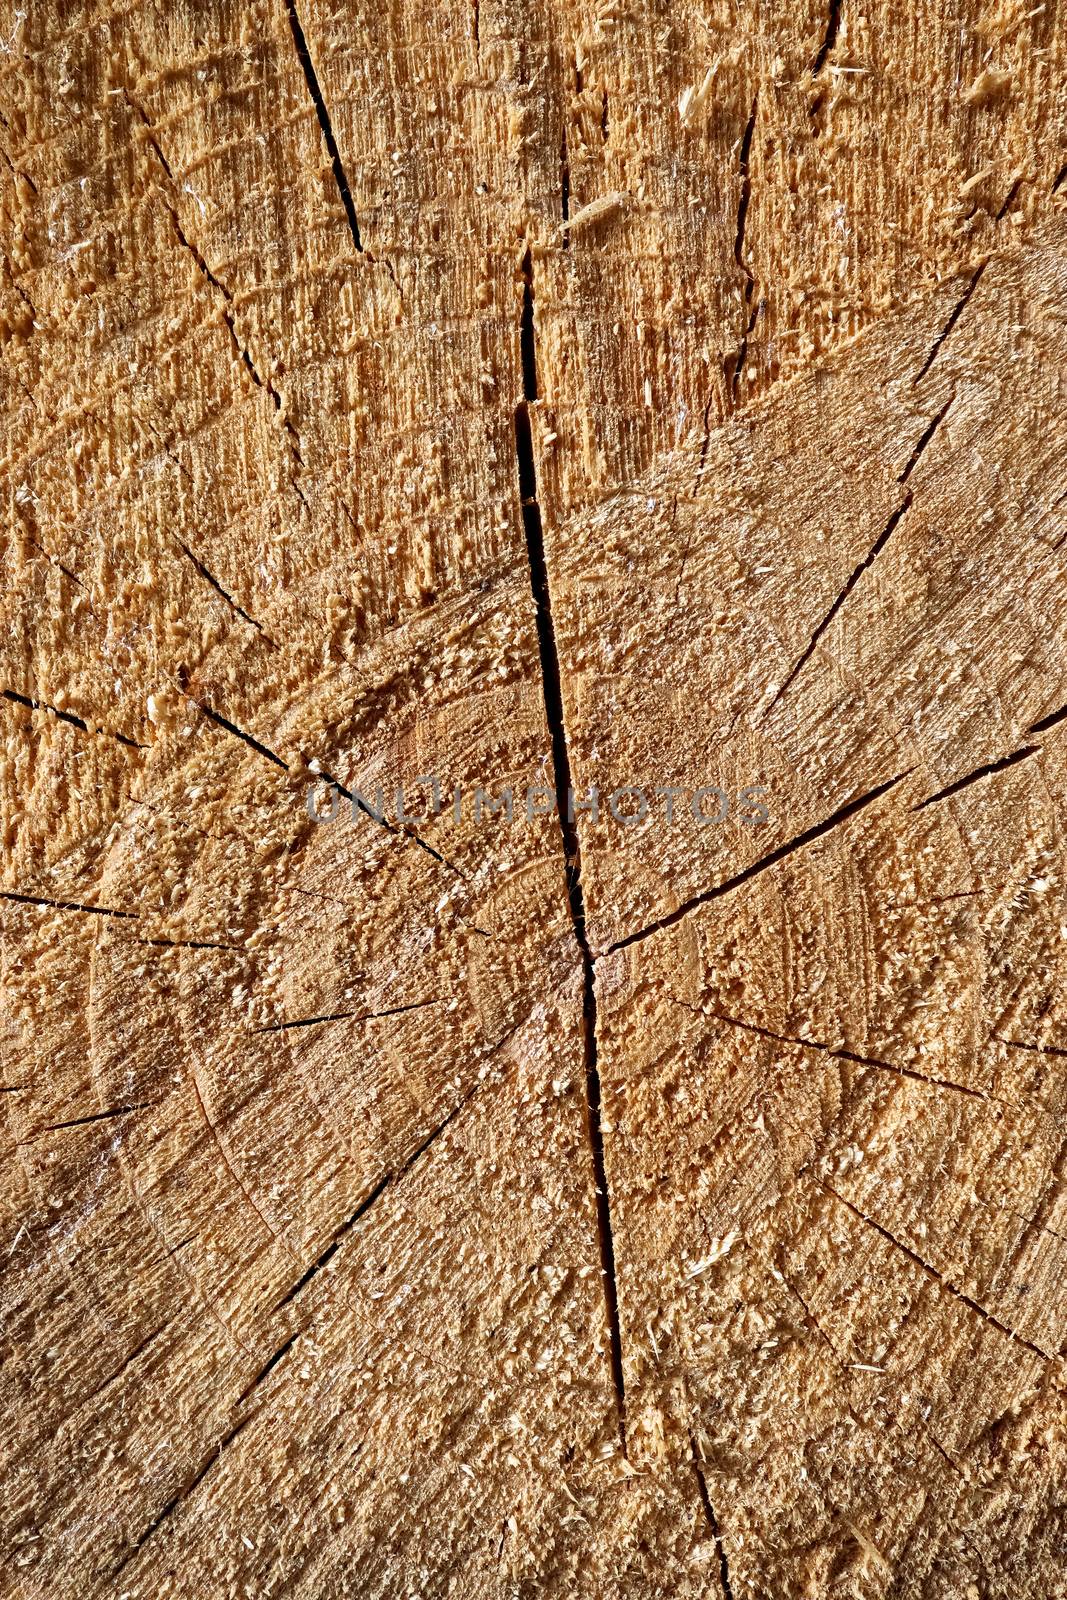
[652, 395]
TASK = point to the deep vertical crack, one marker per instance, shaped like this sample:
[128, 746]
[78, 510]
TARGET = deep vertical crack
[565, 186]
[744, 198]
[528, 353]
[746, 192]
[553, 698]
[833, 24]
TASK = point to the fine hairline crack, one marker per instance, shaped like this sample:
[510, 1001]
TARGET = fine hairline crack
[240, 349]
[711, 1519]
[183, 1493]
[552, 690]
[387, 1181]
[773, 857]
[932, 1272]
[895, 518]
[325, 126]
[32, 704]
[329, 139]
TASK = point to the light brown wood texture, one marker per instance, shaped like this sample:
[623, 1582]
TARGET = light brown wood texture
[624, 395]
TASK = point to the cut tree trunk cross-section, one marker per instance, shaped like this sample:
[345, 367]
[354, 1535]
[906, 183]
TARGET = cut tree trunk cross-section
[534, 683]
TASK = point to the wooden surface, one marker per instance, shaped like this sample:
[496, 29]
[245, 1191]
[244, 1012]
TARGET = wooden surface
[660, 395]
